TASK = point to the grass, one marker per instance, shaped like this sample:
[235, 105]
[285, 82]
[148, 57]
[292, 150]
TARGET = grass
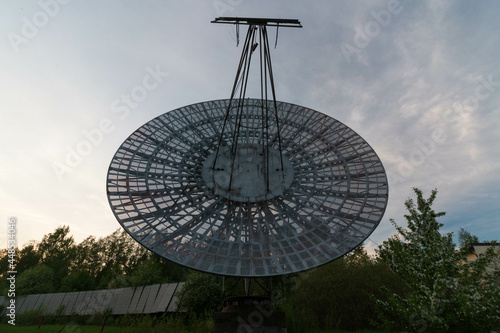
[76, 329]
[337, 331]
[110, 329]
[28, 322]
[57, 328]
[127, 324]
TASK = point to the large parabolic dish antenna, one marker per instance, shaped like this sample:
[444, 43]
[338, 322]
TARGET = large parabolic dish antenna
[166, 192]
[247, 187]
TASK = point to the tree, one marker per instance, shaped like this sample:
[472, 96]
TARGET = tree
[120, 255]
[147, 272]
[88, 256]
[338, 295]
[28, 257]
[444, 291]
[4, 267]
[77, 280]
[172, 271]
[201, 294]
[57, 251]
[4, 261]
[36, 280]
[466, 239]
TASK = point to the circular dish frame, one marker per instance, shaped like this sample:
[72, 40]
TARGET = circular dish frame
[332, 197]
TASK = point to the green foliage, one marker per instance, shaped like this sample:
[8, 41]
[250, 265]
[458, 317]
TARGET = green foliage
[175, 323]
[31, 317]
[444, 291]
[169, 270]
[36, 280]
[339, 295]
[146, 273]
[478, 294]
[154, 269]
[77, 280]
[89, 256]
[113, 261]
[201, 294]
[57, 251]
[133, 324]
[120, 253]
[66, 327]
[28, 257]
[299, 319]
[465, 239]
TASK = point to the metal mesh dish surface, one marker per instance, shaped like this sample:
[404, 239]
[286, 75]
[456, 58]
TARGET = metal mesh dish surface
[326, 198]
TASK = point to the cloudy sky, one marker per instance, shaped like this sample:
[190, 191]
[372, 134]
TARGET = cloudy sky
[419, 80]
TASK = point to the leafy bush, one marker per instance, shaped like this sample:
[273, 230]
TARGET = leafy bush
[445, 292]
[201, 294]
[36, 280]
[339, 295]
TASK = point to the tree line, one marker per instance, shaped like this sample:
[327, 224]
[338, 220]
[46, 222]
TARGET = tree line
[418, 280]
[58, 264]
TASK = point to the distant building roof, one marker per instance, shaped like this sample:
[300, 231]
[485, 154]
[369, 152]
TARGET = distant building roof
[477, 249]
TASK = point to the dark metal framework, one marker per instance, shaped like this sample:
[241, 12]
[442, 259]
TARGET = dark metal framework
[256, 37]
[248, 187]
[336, 197]
[274, 22]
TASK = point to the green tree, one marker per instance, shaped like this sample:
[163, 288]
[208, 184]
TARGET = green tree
[57, 251]
[465, 239]
[114, 261]
[444, 291]
[120, 255]
[86, 266]
[147, 272]
[201, 294]
[77, 280]
[169, 269]
[36, 280]
[28, 257]
[4, 267]
[338, 295]
[4, 261]
[89, 256]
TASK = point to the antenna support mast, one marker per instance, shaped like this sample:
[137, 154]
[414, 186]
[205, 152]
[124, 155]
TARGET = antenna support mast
[256, 37]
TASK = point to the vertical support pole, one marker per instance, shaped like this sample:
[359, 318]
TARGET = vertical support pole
[239, 75]
[270, 287]
[41, 321]
[246, 282]
[104, 324]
